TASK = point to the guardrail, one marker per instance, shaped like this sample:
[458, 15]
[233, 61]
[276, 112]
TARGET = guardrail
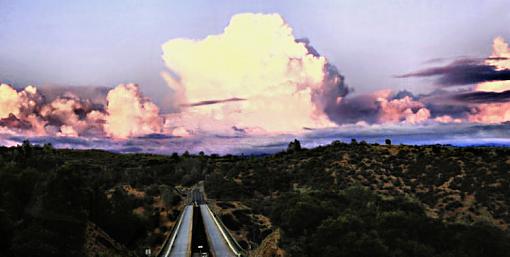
[169, 241]
[232, 243]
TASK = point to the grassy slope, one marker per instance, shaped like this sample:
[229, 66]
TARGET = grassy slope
[452, 185]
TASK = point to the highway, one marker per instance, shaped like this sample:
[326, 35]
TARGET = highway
[198, 233]
[181, 245]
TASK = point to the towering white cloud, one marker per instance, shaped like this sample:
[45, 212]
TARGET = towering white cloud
[257, 59]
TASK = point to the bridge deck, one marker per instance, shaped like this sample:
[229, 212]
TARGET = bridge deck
[218, 245]
[182, 243]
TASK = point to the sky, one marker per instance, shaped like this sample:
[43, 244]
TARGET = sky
[106, 43]
[354, 59]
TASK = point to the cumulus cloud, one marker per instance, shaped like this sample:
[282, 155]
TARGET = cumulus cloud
[402, 110]
[490, 113]
[254, 85]
[18, 109]
[126, 113]
[130, 114]
[256, 58]
[257, 75]
[500, 54]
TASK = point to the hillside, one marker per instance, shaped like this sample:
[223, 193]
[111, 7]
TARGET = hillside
[342, 199]
[88, 203]
[451, 192]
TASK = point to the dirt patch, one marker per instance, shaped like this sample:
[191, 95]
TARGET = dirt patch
[99, 243]
[248, 228]
[269, 247]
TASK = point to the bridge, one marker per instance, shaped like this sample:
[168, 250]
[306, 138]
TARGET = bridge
[199, 233]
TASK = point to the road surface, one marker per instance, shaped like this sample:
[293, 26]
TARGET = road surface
[182, 243]
[198, 232]
[217, 243]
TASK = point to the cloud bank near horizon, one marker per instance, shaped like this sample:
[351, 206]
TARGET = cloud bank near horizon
[257, 80]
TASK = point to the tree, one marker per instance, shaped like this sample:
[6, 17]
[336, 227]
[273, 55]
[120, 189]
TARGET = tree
[6, 229]
[169, 196]
[294, 146]
[26, 149]
[387, 141]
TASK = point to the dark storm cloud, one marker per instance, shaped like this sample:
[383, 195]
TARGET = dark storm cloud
[13, 122]
[95, 94]
[435, 60]
[496, 59]
[455, 102]
[309, 47]
[442, 102]
[209, 102]
[452, 110]
[403, 93]
[462, 72]
[353, 109]
[346, 110]
[333, 97]
[156, 136]
[366, 107]
[483, 97]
